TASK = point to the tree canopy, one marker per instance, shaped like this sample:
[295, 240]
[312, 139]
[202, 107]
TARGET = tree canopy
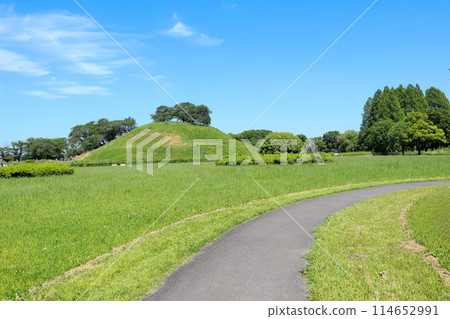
[279, 142]
[330, 139]
[421, 133]
[252, 135]
[184, 112]
[348, 141]
[92, 135]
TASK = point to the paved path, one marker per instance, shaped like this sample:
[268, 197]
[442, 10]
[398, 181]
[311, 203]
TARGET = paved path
[261, 259]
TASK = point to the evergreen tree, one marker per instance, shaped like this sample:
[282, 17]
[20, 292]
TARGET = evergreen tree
[387, 107]
[366, 123]
[413, 100]
[377, 140]
[438, 110]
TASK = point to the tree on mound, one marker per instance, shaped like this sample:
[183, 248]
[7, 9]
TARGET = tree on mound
[163, 114]
[92, 135]
[184, 112]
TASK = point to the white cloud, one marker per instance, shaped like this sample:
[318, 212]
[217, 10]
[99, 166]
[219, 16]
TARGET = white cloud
[82, 90]
[13, 62]
[182, 30]
[44, 94]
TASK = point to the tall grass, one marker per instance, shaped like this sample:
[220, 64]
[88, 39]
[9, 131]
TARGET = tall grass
[51, 224]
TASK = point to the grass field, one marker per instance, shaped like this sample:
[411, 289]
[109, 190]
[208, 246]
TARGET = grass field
[429, 222]
[53, 224]
[371, 243]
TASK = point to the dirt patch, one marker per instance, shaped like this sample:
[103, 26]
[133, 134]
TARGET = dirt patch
[444, 273]
[175, 141]
[412, 245]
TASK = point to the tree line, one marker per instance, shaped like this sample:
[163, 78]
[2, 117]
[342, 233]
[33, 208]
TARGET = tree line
[405, 118]
[82, 138]
[393, 120]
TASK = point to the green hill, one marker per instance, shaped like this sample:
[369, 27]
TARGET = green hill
[182, 135]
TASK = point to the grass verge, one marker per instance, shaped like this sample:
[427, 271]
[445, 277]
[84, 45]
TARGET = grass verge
[369, 241]
[429, 222]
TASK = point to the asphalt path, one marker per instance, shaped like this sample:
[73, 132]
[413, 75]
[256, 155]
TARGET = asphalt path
[261, 259]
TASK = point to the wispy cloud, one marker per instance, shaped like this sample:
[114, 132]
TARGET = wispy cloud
[71, 88]
[13, 62]
[182, 30]
[229, 5]
[92, 68]
[82, 90]
[204, 39]
[44, 94]
[72, 40]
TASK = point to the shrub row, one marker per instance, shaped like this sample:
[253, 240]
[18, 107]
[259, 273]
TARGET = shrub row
[275, 159]
[109, 163]
[34, 169]
[81, 164]
[356, 154]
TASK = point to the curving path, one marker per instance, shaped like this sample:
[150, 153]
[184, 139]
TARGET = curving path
[261, 259]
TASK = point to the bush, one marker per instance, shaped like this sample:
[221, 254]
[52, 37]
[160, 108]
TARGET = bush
[34, 170]
[267, 148]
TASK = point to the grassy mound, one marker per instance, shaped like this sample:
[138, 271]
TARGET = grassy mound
[182, 136]
[34, 169]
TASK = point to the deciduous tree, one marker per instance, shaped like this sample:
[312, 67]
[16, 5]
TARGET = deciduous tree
[421, 133]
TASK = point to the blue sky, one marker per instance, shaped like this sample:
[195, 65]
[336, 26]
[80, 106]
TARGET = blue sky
[58, 69]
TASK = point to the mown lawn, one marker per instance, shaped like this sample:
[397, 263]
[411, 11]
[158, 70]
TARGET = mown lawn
[53, 224]
[429, 222]
[370, 242]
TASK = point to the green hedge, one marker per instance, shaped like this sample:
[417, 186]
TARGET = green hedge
[356, 154]
[82, 164]
[34, 169]
[275, 159]
[109, 163]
